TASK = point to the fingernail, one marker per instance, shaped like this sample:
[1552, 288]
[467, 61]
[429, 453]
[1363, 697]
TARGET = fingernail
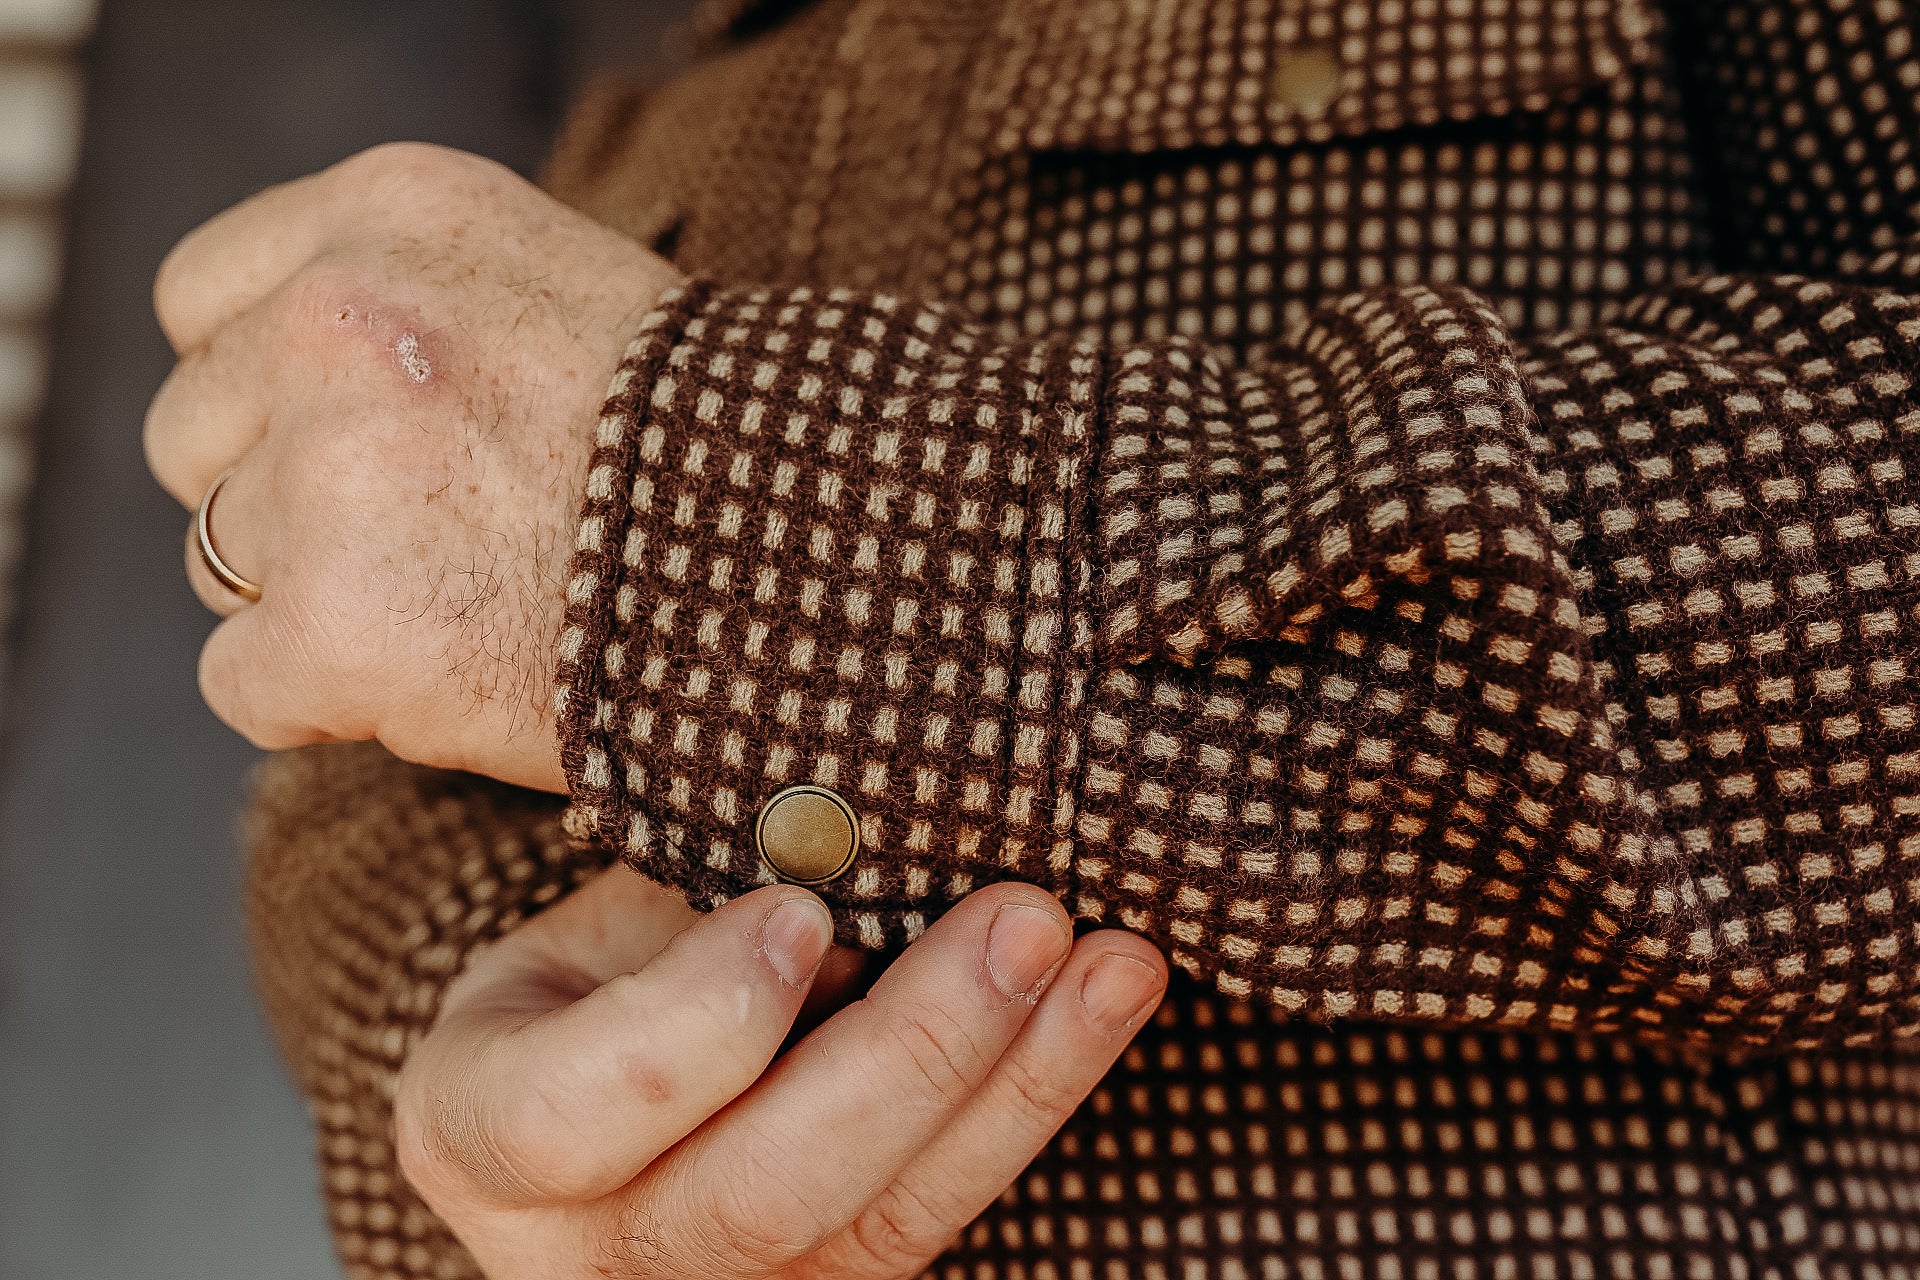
[795, 937]
[1116, 992]
[1023, 946]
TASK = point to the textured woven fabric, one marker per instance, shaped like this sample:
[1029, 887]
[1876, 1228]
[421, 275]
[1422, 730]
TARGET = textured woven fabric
[1231, 1142]
[1396, 680]
[1342, 490]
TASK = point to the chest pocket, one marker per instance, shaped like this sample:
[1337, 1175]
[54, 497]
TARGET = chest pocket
[1217, 168]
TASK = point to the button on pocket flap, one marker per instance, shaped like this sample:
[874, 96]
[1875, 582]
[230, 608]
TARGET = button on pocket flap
[1151, 75]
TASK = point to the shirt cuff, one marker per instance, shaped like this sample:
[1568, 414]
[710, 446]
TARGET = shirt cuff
[822, 544]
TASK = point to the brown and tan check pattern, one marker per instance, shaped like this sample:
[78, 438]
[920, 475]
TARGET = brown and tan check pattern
[1231, 1142]
[1563, 185]
[1404, 551]
[1228, 1144]
[1387, 677]
[1814, 125]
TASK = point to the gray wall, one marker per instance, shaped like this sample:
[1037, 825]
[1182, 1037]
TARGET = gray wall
[146, 1129]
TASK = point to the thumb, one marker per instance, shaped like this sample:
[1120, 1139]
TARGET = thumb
[539, 1087]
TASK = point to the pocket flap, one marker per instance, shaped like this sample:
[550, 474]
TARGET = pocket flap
[1151, 75]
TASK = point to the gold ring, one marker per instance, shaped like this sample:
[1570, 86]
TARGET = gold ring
[222, 572]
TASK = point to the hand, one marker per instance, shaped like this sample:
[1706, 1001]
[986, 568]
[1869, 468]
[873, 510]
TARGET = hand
[402, 359]
[595, 1101]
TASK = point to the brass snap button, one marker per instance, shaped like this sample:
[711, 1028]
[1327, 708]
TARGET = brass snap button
[1308, 78]
[808, 835]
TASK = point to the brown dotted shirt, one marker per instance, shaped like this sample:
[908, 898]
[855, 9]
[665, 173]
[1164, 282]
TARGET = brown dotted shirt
[1346, 490]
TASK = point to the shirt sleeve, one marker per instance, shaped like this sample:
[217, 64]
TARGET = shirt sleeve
[1413, 671]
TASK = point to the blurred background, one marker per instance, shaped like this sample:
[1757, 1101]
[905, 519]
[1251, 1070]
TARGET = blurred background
[146, 1129]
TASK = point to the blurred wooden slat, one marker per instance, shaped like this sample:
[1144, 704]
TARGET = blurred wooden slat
[41, 113]
[46, 22]
[29, 263]
[39, 128]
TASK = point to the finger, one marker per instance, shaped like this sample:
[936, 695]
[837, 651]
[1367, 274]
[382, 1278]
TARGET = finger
[1103, 996]
[260, 677]
[513, 1102]
[800, 1155]
[613, 924]
[211, 409]
[225, 266]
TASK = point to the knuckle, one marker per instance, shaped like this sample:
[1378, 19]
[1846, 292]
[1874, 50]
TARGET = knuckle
[938, 1049]
[270, 686]
[413, 176]
[636, 1248]
[744, 1243]
[769, 1213]
[401, 161]
[897, 1234]
[450, 1140]
[736, 1234]
[1036, 1093]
